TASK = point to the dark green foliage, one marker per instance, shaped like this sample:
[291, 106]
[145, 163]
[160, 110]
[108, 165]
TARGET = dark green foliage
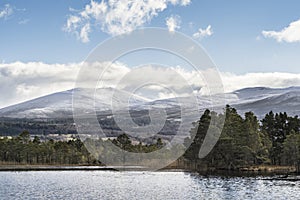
[198, 133]
[244, 141]
[239, 143]
[291, 150]
[247, 142]
[278, 126]
[124, 142]
[21, 150]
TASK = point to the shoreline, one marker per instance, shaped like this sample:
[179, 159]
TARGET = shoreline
[53, 168]
[247, 171]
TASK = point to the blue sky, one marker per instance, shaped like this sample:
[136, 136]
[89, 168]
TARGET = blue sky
[253, 43]
[237, 44]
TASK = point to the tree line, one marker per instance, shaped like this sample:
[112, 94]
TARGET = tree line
[22, 150]
[246, 141]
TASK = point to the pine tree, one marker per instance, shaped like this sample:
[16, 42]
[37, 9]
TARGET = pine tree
[198, 133]
[291, 150]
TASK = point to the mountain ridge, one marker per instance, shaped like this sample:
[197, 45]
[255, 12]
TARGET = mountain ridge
[260, 100]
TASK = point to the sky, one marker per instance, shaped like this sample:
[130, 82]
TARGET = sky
[42, 42]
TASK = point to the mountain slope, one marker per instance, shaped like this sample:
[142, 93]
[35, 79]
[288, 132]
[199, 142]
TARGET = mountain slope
[287, 101]
[59, 105]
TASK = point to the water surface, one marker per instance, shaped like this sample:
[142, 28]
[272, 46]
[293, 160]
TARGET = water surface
[139, 185]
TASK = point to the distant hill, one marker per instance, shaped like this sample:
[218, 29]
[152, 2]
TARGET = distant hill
[59, 105]
[263, 100]
[52, 114]
[260, 100]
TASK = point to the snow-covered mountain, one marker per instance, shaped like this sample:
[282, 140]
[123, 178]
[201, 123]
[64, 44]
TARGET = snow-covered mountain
[260, 100]
[263, 100]
[59, 105]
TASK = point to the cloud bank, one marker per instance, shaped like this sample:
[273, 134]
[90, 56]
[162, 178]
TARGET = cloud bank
[23, 81]
[116, 17]
[289, 34]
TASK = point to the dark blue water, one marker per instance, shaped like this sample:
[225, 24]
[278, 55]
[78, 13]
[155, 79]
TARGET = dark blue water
[139, 185]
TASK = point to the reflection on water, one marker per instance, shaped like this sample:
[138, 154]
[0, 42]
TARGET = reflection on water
[139, 185]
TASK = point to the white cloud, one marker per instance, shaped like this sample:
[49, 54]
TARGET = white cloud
[272, 79]
[185, 2]
[173, 23]
[180, 2]
[117, 17]
[72, 22]
[24, 21]
[23, 81]
[6, 11]
[84, 33]
[289, 34]
[204, 32]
